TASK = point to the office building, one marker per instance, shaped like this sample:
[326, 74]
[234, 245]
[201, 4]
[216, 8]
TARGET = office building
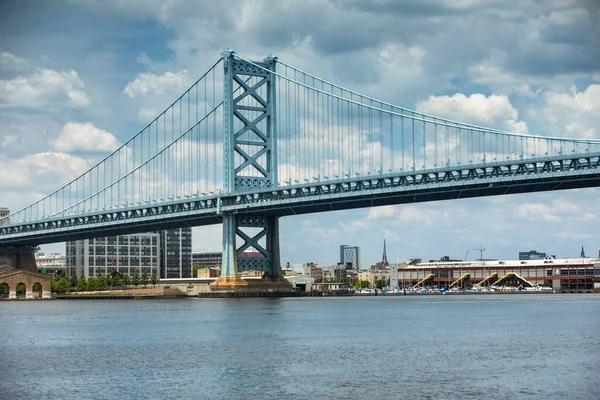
[176, 253]
[531, 255]
[349, 256]
[127, 254]
[210, 259]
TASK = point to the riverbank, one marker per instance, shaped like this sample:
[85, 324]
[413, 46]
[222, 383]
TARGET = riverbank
[159, 293]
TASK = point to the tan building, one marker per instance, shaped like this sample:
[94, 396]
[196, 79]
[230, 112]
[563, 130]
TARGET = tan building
[18, 283]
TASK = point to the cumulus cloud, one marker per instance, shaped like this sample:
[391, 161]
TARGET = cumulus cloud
[45, 88]
[494, 111]
[40, 171]
[167, 83]
[573, 114]
[85, 137]
[557, 210]
[9, 61]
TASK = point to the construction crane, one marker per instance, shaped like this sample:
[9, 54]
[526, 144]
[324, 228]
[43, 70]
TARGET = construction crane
[467, 255]
[481, 250]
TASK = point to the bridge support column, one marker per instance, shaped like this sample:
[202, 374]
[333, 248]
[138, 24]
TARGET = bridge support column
[29, 294]
[259, 252]
[19, 257]
[12, 295]
[230, 278]
[46, 294]
[249, 162]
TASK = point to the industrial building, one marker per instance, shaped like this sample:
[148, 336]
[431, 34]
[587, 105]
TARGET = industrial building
[579, 274]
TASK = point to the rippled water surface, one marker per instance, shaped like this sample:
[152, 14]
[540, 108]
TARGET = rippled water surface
[437, 347]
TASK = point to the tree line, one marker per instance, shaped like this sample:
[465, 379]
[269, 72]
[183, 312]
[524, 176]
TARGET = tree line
[101, 282]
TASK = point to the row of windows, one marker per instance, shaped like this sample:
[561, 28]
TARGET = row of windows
[579, 271]
[125, 261]
[122, 250]
[93, 271]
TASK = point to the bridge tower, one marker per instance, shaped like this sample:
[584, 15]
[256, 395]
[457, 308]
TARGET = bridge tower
[249, 162]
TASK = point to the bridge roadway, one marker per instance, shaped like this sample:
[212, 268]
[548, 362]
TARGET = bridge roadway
[490, 179]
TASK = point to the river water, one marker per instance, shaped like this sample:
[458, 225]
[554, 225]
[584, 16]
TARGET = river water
[430, 347]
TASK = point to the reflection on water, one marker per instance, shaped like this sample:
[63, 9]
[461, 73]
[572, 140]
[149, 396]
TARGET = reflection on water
[485, 346]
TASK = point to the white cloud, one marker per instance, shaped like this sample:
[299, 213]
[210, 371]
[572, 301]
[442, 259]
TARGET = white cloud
[11, 62]
[40, 171]
[45, 88]
[382, 212]
[168, 83]
[574, 114]
[8, 140]
[494, 111]
[559, 209]
[85, 137]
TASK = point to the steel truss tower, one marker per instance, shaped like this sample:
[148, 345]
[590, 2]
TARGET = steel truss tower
[249, 161]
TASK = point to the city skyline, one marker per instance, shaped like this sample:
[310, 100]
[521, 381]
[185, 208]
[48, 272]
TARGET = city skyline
[92, 91]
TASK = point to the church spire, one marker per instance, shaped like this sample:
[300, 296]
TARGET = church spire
[582, 252]
[384, 261]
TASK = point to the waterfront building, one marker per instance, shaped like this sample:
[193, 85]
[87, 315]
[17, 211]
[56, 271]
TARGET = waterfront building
[559, 274]
[176, 253]
[127, 254]
[350, 256]
[531, 255]
[51, 264]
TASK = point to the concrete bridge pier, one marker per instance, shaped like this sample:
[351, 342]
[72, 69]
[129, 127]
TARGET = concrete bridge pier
[12, 294]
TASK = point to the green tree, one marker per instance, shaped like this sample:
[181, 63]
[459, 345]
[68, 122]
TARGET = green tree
[136, 280]
[116, 281]
[91, 284]
[101, 283]
[144, 279]
[82, 284]
[60, 285]
[153, 280]
[365, 285]
[126, 280]
[73, 280]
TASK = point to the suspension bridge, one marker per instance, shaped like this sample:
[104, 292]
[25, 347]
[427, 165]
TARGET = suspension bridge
[252, 141]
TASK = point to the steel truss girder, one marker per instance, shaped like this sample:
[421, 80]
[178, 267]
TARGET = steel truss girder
[270, 198]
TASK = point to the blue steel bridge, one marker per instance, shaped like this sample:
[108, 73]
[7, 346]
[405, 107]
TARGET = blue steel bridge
[253, 141]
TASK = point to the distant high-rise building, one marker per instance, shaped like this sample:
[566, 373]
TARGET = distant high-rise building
[349, 256]
[531, 255]
[176, 253]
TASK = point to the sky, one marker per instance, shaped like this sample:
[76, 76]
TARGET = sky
[77, 76]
